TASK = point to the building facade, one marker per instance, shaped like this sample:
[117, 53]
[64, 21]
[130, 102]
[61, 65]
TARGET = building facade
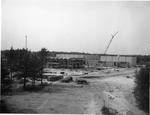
[90, 60]
[116, 60]
[68, 56]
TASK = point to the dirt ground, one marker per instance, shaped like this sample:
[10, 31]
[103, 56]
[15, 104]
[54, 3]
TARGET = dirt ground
[70, 98]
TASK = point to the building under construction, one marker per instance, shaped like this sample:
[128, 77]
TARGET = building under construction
[73, 61]
[118, 60]
[69, 61]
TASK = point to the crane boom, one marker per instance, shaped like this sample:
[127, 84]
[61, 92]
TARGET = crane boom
[110, 42]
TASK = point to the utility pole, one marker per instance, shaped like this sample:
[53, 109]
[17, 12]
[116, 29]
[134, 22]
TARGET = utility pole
[25, 70]
[26, 42]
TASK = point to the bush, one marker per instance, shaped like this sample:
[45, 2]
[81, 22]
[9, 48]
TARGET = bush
[81, 81]
[4, 107]
[22, 80]
[31, 88]
[44, 84]
[141, 90]
[55, 78]
[108, 111]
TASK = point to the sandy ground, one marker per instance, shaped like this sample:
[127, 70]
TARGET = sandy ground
[70, 98]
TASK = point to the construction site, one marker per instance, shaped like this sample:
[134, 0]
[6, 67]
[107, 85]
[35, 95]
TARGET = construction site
[77, 61]
[79, 91]
[81, 84]
[75, 57]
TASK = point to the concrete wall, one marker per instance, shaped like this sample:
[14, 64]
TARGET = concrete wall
[92, 63]
[92, 57]
[68, 56]
[129, 59]
[92, 60]
[109, 58]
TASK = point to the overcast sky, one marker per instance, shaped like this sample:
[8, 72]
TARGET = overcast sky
[81, 26]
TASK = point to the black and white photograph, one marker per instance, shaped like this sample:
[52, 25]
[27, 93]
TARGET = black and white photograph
[89, 57]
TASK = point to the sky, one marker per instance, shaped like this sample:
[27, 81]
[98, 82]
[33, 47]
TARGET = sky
[76, 25]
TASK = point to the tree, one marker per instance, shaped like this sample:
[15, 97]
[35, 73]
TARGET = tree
[43, 59]
[34, 67]
[24, 64]
[6, 82]
[11, 61]
[142, 88]
[17, 60]
[29, 64]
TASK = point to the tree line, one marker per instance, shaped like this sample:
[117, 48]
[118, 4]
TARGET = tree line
[141, 90]
[24, 62]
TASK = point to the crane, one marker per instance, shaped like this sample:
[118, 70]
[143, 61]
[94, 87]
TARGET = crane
[108, 46]
[110, 42]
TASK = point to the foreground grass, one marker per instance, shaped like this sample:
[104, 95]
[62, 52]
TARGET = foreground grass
[45, 99]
